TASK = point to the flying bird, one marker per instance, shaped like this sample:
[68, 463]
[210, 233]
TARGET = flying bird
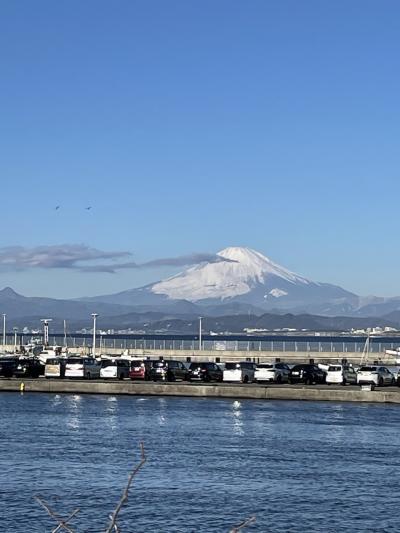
[88, 208]
[57, 207]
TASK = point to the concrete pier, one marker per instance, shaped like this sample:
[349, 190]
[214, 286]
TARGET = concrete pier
[251, 391]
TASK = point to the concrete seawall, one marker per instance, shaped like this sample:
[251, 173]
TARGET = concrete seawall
[258, 392]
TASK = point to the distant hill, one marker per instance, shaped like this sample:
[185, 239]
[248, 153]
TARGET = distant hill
[155, 322]
[15, 305]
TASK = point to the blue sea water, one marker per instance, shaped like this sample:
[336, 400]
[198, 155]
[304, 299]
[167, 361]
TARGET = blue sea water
[296, 466]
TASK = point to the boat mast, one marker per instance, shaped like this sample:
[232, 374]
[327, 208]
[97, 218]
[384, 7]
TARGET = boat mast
[365, 352]
[65, 333]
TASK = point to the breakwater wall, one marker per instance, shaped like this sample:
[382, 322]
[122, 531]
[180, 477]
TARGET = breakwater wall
[234, 355]
[257, 392]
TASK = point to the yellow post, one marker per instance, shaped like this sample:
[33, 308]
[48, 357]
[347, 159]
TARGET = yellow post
[22, 387]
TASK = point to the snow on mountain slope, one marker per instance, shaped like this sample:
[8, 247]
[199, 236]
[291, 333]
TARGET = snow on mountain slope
[239, 271]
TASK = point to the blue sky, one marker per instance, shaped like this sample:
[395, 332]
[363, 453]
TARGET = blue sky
[191, 126]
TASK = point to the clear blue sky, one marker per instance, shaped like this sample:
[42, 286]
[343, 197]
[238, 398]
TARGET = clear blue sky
[190, 126]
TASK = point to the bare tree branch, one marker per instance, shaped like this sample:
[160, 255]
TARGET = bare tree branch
[124, 497]
[243, 524]
[62, 524]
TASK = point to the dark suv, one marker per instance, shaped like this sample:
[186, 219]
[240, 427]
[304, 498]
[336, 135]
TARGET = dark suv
[7, 366]
[308, 374]
[168, 371]
[205, 372]
[29, 368]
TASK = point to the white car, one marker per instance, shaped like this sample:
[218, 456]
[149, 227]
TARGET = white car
[276, 372]
[82, 367]
[115, 368]
[375, 375]
[241, 372]
[341, 374]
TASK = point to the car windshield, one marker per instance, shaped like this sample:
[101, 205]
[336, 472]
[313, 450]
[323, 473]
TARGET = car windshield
[302, 367]
[368, 369]
[334, 369]
[196, 365]
[265, 365]
[75, 361]
[159, 364]
[105, 364]
[52, 362]
[232, 366]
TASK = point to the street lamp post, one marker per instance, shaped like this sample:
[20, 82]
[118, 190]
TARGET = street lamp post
[4, 330]
[46, 330]
[15, 329]
[200, 332]
[94, 315]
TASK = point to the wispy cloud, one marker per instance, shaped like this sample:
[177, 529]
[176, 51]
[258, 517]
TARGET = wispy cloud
[86, 259]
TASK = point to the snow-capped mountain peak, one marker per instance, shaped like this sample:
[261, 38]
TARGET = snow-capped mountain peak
[240, 271]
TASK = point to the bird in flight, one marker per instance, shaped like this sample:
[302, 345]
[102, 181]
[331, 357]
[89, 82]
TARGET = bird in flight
[88, 208]
[57, 207]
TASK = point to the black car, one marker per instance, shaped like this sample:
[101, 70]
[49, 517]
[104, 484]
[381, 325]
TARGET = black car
[168, 371]
[205, 372]
[29, 368]
[308, 374]
[7, 366]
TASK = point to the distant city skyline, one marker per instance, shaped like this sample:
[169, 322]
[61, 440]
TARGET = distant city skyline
[166, 129]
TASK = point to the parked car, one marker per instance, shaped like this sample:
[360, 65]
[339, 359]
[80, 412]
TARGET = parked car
[82, 367]
[375, 375]
[7, 366]
[115, 368]
[204, 372]
[29, 368]
[395, 370]
[54, 368]
[240, 372]
[168, 371]
[307, 373]
[274, 372]
[341, 374]
[141, 369]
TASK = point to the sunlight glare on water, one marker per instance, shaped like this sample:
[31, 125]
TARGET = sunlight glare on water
[297, 466]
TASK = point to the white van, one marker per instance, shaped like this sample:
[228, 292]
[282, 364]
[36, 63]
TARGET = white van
[115, 368]
[54, 367]
[82, 367]
[241, 372]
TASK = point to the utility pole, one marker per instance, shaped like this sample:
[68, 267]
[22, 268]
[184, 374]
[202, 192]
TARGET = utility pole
[94, 315]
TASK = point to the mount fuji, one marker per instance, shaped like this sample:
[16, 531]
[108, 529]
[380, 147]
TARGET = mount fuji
[241, 279]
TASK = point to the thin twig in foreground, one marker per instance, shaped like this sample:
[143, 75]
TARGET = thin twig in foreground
[124, 497]
[62, 524]
[243, 524]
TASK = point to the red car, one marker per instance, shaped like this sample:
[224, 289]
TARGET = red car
[140, 369]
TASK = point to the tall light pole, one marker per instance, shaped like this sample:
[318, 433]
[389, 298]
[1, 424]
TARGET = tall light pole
[200, 339]
[4, 330]
[46, 330]
[15, 329]
[94, 315]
